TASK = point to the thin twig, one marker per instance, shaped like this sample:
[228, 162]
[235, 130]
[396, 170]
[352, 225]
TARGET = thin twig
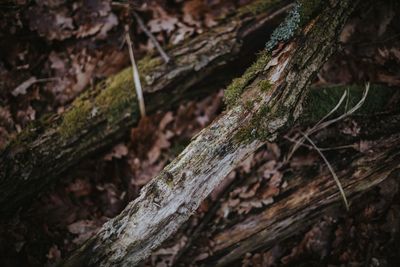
[135, 74]
[151, 37]
[339, 185]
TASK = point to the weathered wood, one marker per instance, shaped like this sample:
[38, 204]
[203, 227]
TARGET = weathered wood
[306, 199]
[275, 88]
[95, 120]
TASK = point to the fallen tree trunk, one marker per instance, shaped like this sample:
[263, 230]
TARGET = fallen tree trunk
[378, 129]
[276, 86]
[306, 199]
[95, 120]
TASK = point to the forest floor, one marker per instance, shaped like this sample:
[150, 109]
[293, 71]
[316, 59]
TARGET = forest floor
[46, 61]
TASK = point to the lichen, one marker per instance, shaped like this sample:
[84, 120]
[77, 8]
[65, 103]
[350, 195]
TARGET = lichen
[285, 30]
[298, 16]
[237, 86]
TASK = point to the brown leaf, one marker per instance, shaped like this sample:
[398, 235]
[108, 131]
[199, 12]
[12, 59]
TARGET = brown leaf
[23, 87]
[117, 152]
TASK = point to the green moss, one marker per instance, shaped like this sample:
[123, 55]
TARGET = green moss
[307, 9]
[117, 95]
[75, 118]
[254, 130]
[257, 7]
[236, 88]
[111, 98]
[321, 101]
[147, 64]
[264, 85]
[249, 104]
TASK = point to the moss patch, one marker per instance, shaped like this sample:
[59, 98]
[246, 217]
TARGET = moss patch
[307, 9]
[256, 7]
[75, 118]
[264, 85]
[254, 130]
[147, 65]
[117, 95]
[321, 101]
[236, 88]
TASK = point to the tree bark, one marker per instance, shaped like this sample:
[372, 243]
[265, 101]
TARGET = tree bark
[42, 152]
[306, 199]
[276, 86]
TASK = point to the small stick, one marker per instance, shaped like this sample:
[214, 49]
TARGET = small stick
[151, 37]
[135, 74]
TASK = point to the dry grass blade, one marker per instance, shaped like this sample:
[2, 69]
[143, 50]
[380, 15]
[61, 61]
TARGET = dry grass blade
[321, 124]
[135, 74]
[344, 115]
[299, 142]
[339, 185]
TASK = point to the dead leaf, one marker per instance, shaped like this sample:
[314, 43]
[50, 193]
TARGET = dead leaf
[161, 143]
[54, 253]
[117, 152]
[161, 21]
[168, 118]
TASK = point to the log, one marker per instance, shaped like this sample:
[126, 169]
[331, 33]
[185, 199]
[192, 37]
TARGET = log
[44, 150]
[271, 93]
[377, 129]
[306, 199]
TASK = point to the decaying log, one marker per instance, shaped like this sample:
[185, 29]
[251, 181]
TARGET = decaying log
[95, 120]
[276, 86]
[306, 199]
[376, 126]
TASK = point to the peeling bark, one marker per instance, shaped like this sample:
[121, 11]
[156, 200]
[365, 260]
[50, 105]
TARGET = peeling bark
[173, 195]
[47, 148]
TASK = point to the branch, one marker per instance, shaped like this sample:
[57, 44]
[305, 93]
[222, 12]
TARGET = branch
[50, 146]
